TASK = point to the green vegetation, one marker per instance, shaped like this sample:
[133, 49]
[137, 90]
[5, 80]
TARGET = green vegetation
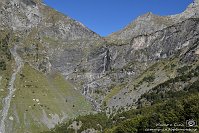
[2, 65]
[113, 91]
[5, 54]
[183, 69]
[39, 97]
[166, 90]
[159, 95]
[172, 111]
[148, 79]
[96, 121]
[161, 68]
[98, 91]
[168, 106]
[5, 62]
[168, 112]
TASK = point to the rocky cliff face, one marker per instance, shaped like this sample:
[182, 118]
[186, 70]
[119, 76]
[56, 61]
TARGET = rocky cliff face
[149, 23]
[21, 15]
[51, 47]
[69, 70]
[145, 42]
[171, 44]
[33, 21]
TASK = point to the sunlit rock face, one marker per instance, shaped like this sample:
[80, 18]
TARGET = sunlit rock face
[73, 71]
[150, 22]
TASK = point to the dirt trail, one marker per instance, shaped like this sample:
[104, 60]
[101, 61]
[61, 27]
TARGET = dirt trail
[11, 89]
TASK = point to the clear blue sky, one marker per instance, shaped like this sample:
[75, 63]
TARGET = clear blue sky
[107, 16]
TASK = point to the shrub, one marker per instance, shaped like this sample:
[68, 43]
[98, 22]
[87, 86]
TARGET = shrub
[2, 65]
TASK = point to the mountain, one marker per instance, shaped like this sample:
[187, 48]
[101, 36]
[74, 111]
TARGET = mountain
[149, 23]
[36, 94]
[53, 69]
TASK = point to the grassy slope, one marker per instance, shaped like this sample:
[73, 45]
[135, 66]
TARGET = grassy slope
[114, 91]
[161, 71]
[5, 74]
[52, 92]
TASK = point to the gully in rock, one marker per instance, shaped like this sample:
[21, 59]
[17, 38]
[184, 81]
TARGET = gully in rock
[11, 89]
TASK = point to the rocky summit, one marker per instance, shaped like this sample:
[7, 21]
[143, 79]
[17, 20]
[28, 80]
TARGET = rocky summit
[55, 70]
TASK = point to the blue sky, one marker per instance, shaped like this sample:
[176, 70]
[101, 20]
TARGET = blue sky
[107, 16]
